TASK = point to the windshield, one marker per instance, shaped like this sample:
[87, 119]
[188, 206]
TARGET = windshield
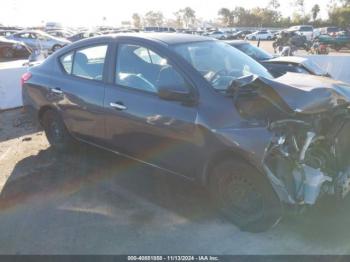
[315, 68]
[219, 62]
[254, 52]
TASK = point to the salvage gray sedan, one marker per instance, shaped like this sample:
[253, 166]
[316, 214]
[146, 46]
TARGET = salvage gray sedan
[200, 109]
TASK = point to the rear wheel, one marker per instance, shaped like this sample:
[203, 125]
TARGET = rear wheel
[56, 47]
[8, 52]
[244, 196]
[253, 38]
[56, 132]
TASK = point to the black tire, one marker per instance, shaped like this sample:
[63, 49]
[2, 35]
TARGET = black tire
[7, 52]
[244, 196]
[56, 47]
[269, 38]
[254, 38]
[337, 48]
[56, 132]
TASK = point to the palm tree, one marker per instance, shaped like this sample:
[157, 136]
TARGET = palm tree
[315, 11]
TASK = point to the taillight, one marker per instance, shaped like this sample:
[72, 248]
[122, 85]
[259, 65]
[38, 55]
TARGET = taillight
[25, 77]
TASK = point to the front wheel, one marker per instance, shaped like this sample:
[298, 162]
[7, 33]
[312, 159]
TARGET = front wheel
[244, 196]
[56, 132]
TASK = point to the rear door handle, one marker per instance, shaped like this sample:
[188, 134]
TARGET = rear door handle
[118, 106]
[57, 91]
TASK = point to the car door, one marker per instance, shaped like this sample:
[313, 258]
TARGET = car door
[26, 38]
[138, 122]
[44, 41]
[81, 91]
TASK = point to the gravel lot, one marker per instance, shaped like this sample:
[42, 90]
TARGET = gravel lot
[93, 202]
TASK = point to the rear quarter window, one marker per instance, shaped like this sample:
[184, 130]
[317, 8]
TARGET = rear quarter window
[66, 62]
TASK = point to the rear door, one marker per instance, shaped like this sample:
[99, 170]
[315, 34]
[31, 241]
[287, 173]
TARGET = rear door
[81, 91]
[138, 122]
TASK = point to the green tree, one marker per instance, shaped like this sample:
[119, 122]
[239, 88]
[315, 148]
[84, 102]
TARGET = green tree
[242, 16]
[315, 11]
[186, 16]
[340, 16]
[178, 19]
[300, 4]
[227, 17]
[136, 20]
[153, 18]
[346, 3]
[274, 4]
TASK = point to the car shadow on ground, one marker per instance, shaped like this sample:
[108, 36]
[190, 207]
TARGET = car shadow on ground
[99, 195]
[52, 173]
[94, 192]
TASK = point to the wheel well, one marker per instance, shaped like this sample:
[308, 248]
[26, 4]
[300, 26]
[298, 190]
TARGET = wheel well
[219, 157]
[56, 45]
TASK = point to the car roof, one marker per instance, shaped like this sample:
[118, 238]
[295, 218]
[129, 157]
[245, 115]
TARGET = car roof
[237, 42]
[166, 38]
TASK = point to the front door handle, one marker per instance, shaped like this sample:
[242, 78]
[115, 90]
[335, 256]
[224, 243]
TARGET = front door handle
[57, 91]
[118, 106]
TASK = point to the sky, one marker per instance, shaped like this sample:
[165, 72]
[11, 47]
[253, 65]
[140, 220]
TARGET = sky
[89, 13]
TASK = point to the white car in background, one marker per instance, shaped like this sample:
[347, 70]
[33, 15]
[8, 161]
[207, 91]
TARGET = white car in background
[260, 35]
[218, 35]
[305, 30]
[39, 40]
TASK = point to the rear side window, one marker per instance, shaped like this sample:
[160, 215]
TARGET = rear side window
[66, 62]
[306, 29]
[89, 62]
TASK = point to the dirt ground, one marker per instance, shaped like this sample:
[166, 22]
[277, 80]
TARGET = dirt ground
[93, 202]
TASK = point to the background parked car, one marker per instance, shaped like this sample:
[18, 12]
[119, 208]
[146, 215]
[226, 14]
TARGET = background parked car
[10, 49]
[6, 33]
[279, 66]
[331, 30]
[218, 35]
[260, 35]
[305, 30]
[82, 35]
[240, 34]
[59, 33]
[39, 40]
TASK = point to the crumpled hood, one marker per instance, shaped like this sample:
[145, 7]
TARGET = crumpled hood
[300, 93]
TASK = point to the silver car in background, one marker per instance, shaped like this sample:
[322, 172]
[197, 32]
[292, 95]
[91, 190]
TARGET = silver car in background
[38, 40]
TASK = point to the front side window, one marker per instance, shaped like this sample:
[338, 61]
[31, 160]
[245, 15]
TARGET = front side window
[143, 69]
[89, 62]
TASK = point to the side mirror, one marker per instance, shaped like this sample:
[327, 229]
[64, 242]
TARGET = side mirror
[174, 93]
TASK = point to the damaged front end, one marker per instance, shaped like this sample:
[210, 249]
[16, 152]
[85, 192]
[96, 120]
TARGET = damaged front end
[307, 157]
